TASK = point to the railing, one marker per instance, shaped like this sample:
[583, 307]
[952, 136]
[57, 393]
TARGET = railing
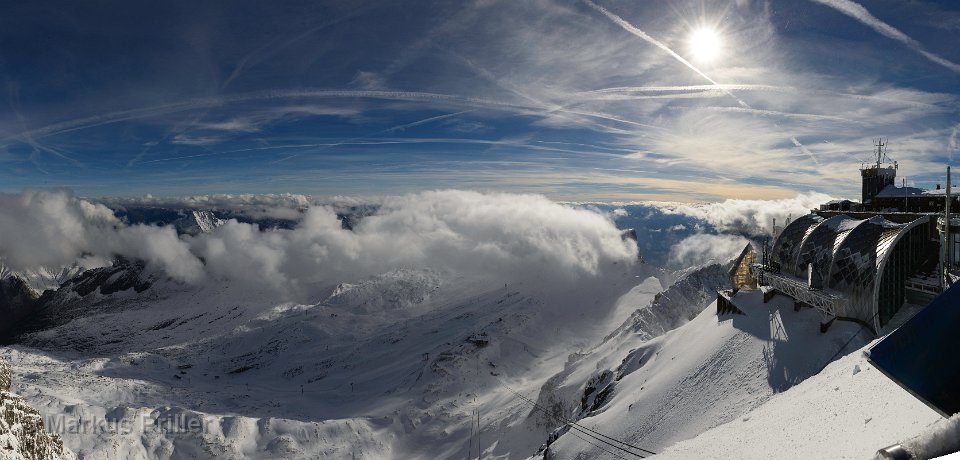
[827, 302]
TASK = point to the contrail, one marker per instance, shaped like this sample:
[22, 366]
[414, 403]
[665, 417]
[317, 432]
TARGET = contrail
[687, 88]
[147, 112]
[394, 141]
[643, 35]
[858, 12]
[549, 108]
[804, 149]
[697, 90]
[419, 122]
[28, 139]
[385, 131]
[777, 113]
[271, 48]
[414, 96]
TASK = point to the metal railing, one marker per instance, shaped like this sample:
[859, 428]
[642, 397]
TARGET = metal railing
[826, 301]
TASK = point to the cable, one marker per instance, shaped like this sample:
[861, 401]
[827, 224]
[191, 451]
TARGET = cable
[587, 431]
[583, 429]
[598, 446]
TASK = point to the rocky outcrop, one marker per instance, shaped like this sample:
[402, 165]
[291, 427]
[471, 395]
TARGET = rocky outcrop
[694, 289]
[75, 298]
[17, 300]
[120, 276]
[22, 435]
[5, 376]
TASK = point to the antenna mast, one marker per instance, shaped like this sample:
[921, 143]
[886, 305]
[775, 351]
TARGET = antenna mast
[880, 147]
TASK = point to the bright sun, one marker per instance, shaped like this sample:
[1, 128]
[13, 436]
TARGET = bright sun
[705, 44]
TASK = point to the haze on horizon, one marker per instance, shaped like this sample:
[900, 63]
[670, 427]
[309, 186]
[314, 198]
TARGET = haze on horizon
[576, 100]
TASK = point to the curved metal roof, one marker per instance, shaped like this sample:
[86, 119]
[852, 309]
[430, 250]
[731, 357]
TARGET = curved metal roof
[787, 245]
[818, 246]
[848, 255]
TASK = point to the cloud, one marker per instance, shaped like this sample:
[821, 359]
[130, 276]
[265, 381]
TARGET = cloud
[644, 36]
[702, 248]
[48, 228]
[858, 12]
[750, 217]
[54, 228]
[514, 237]
[521, 76]
[288, 206]
[511, 236]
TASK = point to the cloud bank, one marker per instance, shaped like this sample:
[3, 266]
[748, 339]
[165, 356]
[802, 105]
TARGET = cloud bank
[514, 236]
[702, 248]
[750, 217]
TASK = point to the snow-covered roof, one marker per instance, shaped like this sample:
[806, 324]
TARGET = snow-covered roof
[892, 191]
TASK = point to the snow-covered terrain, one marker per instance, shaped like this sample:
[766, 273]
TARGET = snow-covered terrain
[437, 325]
[22, 432]
[393, 366]
[739, 386]
[384, 367]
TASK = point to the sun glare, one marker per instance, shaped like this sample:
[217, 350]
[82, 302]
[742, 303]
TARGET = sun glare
[705, 44]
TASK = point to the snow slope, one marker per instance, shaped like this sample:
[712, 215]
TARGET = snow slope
[395, 366]
[389, 366]
[741, 386]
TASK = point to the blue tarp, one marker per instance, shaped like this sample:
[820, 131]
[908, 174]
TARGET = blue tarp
[923, 355]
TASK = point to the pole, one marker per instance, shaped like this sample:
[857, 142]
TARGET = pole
[947, 242]
[479, 452]
[906, 202]
[470, 444]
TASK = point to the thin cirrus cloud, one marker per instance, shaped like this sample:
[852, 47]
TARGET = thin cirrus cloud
[596, 99]
[858, 12]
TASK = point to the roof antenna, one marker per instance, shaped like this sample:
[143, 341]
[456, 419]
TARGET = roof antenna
[880, 151]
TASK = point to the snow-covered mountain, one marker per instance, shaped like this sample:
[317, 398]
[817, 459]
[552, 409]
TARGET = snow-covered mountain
[42, 278]
[22, 432]
[394, 366]
[396, 360]
[411, 346]
[198, 222]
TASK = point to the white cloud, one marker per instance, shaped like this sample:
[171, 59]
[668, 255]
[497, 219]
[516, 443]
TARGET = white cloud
[753, 217]
[702, 248]
[516, 237]
[41, 227]
[278, 206]
[54, 228]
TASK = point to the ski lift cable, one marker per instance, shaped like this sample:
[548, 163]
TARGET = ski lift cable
[599, 446]
[587, 431]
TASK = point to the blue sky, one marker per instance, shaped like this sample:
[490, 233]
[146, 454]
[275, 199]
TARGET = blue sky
[577, 100]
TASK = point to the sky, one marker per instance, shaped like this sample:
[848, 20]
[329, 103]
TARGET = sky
[607, 100]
